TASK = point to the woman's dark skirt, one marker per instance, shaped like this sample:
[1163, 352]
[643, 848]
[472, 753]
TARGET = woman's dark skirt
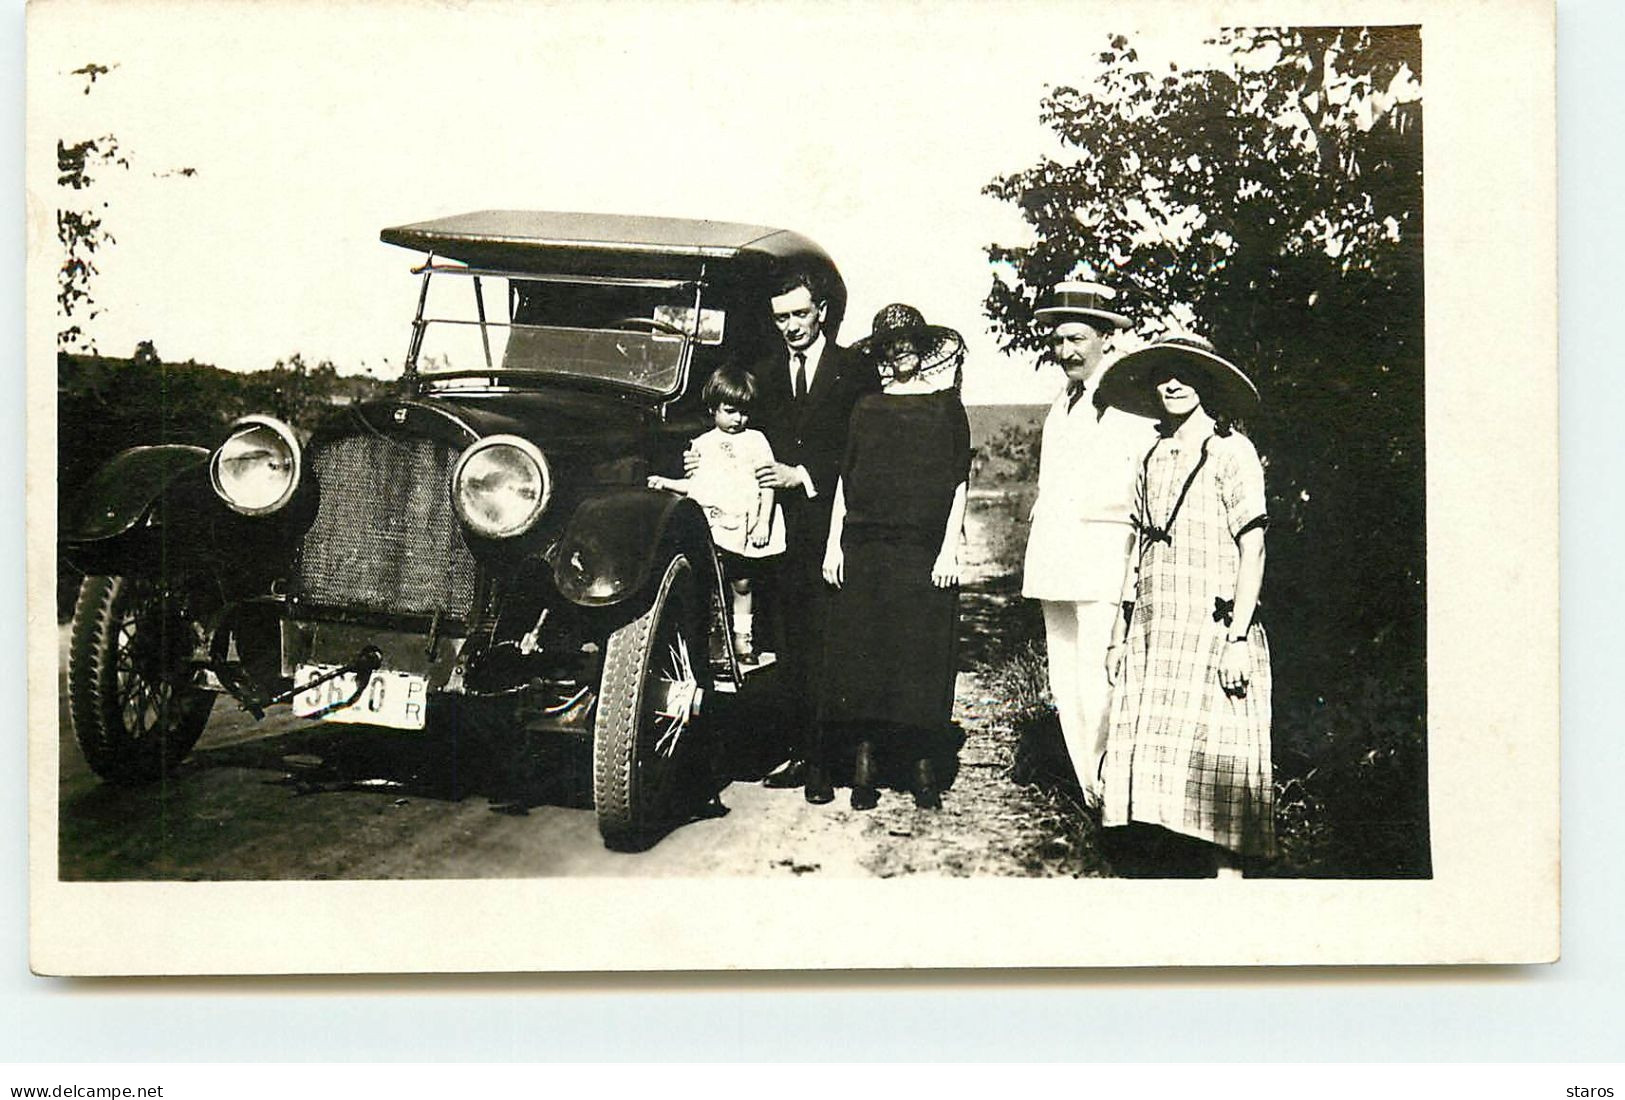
[892, 642]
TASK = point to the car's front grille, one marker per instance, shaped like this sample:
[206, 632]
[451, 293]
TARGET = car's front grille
[385, 539]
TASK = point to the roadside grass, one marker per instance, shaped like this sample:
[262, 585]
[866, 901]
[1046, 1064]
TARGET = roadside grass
[1020, 681]
[1005, 650]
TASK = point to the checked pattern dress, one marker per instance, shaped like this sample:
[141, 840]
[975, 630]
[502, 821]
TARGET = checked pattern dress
[1181, 753]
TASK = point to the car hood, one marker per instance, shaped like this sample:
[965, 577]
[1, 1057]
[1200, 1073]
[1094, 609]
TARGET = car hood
[559, 423]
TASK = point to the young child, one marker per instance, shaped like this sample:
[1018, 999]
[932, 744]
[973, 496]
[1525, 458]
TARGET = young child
[746, 524]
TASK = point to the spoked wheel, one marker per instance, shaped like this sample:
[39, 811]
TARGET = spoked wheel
[135, 709]
[646, 743]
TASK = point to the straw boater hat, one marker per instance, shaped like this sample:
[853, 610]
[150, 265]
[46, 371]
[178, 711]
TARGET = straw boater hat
[939, 348]
[1130, 383]
[1080, 301]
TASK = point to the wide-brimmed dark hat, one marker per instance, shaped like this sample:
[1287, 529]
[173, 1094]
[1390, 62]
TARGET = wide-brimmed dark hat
[1080, 301]
[1130, 383]
[938, 347]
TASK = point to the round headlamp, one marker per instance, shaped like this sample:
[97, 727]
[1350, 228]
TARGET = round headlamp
[256, 469]
[500, 486]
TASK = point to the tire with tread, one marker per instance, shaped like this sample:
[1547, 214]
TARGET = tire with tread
[133, 717]
[633, 787]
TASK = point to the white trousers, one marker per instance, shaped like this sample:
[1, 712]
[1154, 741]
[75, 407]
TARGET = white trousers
[1077, 635]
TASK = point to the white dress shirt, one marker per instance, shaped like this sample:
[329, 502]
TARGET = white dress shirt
[813, 353]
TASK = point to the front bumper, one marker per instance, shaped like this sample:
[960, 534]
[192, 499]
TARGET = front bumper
[433, 656]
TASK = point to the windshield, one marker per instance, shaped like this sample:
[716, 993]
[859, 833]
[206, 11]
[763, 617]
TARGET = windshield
[632, 333]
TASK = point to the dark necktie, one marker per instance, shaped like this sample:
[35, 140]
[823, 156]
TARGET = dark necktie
[801, 375]
[1074, 392]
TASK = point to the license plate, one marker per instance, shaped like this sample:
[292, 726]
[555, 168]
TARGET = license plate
[398, 700]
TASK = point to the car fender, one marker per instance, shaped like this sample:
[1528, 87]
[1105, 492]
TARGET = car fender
[615, 540]
[122, 491]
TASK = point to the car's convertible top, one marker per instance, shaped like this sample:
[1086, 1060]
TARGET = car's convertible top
[524, 238]
[733, 257]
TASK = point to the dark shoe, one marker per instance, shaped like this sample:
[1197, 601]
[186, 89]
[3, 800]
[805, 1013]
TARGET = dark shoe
[864, 772]
[818, 790]
[926, 795]
[788, 777]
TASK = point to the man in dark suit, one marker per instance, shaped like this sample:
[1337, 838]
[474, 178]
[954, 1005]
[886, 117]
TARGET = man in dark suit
[807, 390]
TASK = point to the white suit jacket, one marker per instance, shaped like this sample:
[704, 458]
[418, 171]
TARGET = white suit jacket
[1082, 528]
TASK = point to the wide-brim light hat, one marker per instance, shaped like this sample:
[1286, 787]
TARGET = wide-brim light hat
[939, 348]
[1081, 301]
[1130, 383]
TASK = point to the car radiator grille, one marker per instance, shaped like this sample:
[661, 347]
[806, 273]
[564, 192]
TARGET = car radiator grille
[385, 538]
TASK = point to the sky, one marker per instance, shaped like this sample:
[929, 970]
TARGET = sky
[869, 128]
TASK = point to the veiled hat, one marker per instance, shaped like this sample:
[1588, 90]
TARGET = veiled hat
[937, 347]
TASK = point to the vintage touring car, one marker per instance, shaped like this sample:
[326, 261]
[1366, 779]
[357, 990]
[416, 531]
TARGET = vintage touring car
[481, 537]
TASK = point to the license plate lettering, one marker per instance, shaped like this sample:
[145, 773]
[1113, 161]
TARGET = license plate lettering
[398, 700]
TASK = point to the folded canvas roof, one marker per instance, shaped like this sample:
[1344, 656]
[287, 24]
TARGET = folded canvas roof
[531, 237]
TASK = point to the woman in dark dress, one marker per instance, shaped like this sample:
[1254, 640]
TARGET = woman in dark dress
[893, 554]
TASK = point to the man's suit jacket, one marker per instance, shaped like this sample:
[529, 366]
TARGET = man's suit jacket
[810, 433]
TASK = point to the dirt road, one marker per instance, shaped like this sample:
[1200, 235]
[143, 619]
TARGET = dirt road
[283, 798]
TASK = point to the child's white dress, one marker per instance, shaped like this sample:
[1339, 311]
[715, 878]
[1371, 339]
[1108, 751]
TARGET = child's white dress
[725, 486]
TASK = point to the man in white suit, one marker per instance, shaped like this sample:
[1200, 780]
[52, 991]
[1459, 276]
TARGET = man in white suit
[1082, 531]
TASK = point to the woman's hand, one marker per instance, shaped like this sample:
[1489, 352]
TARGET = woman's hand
[834, 564]
[760, 534]
[1235, 666]
[1116, 654]
[945, 570]
[691, 461]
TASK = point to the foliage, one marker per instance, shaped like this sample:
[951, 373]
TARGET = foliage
[1013, 452]
[81, 227]
[1351, 783]
[81, 233]
[1272, 200]
[294, 391]
[1279, 190]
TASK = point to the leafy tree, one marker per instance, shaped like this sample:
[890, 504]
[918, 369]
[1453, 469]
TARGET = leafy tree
[296, 391]
[80, 223]
[82, 234]
[1272, 200]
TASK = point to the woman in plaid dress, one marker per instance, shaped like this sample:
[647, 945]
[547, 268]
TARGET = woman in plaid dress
[1189, 747]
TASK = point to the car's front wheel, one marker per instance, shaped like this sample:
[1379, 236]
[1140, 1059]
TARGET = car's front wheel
[136, 711]
[646, 743]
